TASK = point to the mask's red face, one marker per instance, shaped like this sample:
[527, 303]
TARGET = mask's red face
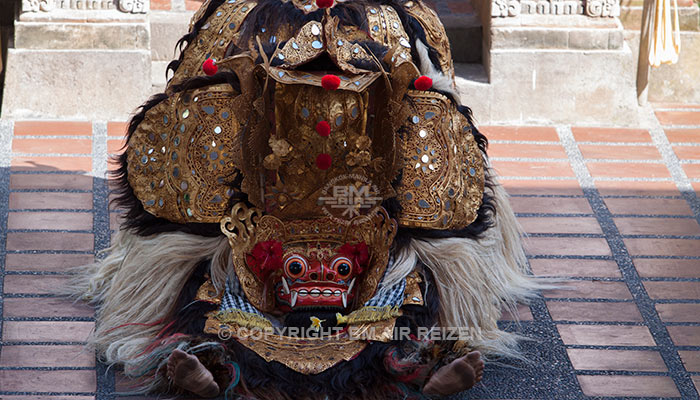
[314, 275]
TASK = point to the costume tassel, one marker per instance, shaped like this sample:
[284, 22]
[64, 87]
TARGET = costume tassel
[235, 372]
[154, 360]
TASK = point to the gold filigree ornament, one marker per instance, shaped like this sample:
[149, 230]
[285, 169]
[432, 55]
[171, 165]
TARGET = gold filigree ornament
[307, 355]
[342, 43]
[207, 292]
[246, 227]
[435, 34]
[385, 27]
[306, 45]
[442, 181]
[190, 146]
[413, 294]
[296, 182]
[309, 6]
[213, 38]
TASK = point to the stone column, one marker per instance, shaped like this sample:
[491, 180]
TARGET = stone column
[78, 59]
[562, 61]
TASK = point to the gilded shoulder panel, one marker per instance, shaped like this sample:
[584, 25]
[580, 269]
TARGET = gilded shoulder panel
[183, 153]
[443, 172]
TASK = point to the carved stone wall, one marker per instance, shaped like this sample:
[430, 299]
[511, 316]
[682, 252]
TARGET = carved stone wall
[591, 8]
[125, 6]
[78, 48]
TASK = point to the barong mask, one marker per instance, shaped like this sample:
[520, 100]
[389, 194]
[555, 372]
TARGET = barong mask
[316, 263]
[321, 274]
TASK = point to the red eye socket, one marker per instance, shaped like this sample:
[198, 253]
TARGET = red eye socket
[343, 266]
[295, 266]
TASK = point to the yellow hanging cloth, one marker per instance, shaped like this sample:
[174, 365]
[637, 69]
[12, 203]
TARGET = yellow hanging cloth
[665, 41]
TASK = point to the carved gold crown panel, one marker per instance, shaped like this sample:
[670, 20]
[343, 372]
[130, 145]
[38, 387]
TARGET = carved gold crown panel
[384, 27]
[213, 38]
[297, 181]
[435, 34]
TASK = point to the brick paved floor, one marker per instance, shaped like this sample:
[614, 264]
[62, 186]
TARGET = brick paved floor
[614, 210]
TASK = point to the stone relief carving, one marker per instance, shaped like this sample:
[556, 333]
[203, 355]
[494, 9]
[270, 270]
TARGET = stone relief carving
[591, 8]
[133, 6]
[126, 6]
[604, 8]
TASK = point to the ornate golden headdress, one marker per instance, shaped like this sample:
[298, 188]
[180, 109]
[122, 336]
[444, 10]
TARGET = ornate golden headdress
[288, 135]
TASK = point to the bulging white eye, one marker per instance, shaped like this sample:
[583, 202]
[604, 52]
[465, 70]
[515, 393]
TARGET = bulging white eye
[295, 266]
[343, 266]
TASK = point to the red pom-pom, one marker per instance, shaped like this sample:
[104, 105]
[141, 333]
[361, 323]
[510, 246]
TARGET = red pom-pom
[323, 128]
[324, 3]
[330, 82]
[209, 67]
[423, 83]
[324, 161]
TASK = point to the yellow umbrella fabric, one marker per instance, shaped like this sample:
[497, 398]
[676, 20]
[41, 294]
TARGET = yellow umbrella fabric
[665, 41]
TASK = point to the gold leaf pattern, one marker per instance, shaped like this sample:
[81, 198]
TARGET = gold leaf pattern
[443, 175]
[435, 33]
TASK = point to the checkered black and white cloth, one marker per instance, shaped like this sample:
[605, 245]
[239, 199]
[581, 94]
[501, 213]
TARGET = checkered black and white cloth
[235, 299]
[392, 297]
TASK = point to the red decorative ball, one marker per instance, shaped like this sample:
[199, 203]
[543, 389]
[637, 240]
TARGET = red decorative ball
[324, 3]
[423, 83]
[209, 67]
[324, 161]
[330, 82]
[323, 128]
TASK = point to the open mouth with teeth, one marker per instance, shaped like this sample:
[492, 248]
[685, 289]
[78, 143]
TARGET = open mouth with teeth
[299, 295]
